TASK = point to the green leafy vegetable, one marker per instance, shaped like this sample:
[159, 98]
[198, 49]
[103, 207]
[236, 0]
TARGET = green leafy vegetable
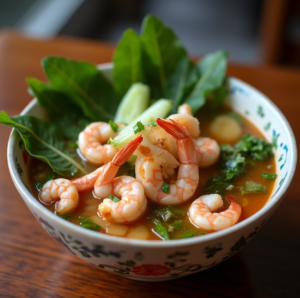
[66, 216]
[161, 231]
[154, 123]
[40, 184]
[87, 223]
[44, 141]
[138, 127]
[84, 85]
[257, 148]
[177, 224]
[269, 176]
[253, 187]
[61, 110]
[73, 144]
[127, 63]
[113, 126]
[188, 235]
[233, 167]
[114, 199]
[165, 214]
[216, 185]
[165, 188]
[212, 70]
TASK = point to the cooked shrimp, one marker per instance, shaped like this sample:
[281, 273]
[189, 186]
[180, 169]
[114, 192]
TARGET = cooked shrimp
[185, 109]
[132, 201]
[92, 143]
[63, 191]
[150, 166]
[207, 151]
[202, 212]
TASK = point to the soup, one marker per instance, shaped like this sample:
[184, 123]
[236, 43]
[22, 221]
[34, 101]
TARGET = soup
[174, 222]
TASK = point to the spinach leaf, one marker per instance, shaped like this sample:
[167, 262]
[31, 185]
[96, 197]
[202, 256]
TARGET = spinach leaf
[212, 70]
[269, 176]
[87, 223]
[257, 148]
[40, 184]
[162, 51]
[84, 85]
[161, 231]
[217, 184]
[253, 187]
[127, 63]
[44, 141]
[62, 112]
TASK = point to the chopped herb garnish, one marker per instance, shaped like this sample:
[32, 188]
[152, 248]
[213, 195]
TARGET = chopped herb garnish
[177, 224]
[73, 144]
[233, 167]
[114, 199]
[67, 216]
[138, 127]
[114, 126]
[253, 187]
[165, 214]
[188, 235]
[161, 231]
[40, 184]
[269, 176]
[154, 123]
[165, 188]
[87, 223]
[216, 184]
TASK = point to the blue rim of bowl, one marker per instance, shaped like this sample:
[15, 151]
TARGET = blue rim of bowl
[114, 240]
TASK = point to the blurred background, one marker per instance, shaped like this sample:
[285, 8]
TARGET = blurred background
[253, 31]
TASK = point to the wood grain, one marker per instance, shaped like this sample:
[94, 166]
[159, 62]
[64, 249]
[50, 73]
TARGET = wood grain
[33, 265]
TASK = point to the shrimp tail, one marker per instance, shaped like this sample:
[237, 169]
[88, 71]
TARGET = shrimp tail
[123, 155]
[174, 128]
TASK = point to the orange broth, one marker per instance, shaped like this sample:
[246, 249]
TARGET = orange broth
[250, 203]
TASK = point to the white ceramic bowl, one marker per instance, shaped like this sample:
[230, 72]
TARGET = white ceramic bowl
[161, 260]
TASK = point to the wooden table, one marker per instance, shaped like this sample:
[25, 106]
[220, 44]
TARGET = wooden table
[33, 265]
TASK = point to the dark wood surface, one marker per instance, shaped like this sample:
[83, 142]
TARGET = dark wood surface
[33, 265]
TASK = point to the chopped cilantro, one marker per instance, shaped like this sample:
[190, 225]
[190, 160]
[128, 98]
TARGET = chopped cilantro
[114, 199]
[154, 123]
[165, 214]
[233, 167]
[67, 216]
[253, 187]
[165, 188]
[87, 223]
[161, 231]
[269, 176]
[257, 148]
[114, 126]
[216, 184]
[40, 184]
[138, 127]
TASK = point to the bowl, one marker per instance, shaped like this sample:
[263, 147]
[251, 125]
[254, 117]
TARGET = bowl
[164, 260]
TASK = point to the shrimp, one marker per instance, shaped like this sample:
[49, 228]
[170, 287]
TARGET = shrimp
[203, 216]
[207, 150]
[133, 202]
[150, 165]
[91, 140]
[63, 191]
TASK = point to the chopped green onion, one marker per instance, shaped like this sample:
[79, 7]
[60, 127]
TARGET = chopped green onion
[161, 231]
[154, 123]
[188, 235]
[268, 175]
[165, 188]
[138, 127]
[87, 223]
[114, 126]
[114, 199]
[40, 184]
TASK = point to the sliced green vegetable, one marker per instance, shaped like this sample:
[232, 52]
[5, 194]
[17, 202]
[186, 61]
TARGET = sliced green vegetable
[159, 109]
[114, 198]
[83, 83]
[139, 127]
[113, 126]
[212, 70]
[253, 187]
[87, 223]
[269, 176]
[161, 231]
[154, 123]
[177, 224]
[188, 235]
[127, 64]
[44, 141]
[40, 184]
[133, 104]
[67, 216]
[165, 188]
[61, 110]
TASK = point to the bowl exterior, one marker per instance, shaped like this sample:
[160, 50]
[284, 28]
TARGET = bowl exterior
[157, 261]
